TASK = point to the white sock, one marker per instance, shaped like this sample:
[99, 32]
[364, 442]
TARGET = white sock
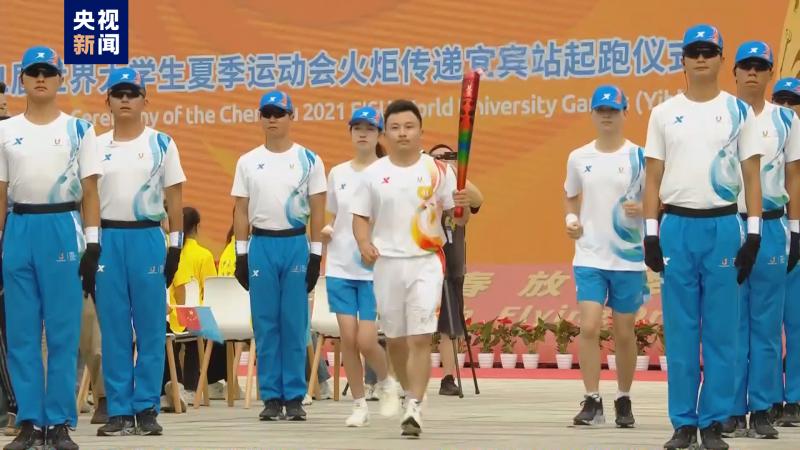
[595, 395]
[362, 402]
[621, 394]
[409, 396]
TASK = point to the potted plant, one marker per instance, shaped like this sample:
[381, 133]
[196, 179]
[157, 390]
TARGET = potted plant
[564, 332]
[645, 334]
[662, 360]
[531, 336]
[436, 357]
[606, 339]
[486, 338]
[506, 332]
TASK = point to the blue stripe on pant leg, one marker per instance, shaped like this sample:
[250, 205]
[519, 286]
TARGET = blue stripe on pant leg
[719, 239]
[742, 352]
[265, 309]
[23, 305]
[114, 316]
[791, 326]
[145, 256]
[293, 315]
[681, 306]
[768, 282]
[56, 260]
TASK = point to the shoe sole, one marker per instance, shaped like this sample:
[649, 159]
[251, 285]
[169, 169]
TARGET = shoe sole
[270, 418]
[410, 428]
[753, 434]
[296, 418]
[598, 420]
[125, 432]
[357, 425]
[626, 424]
[149, 433]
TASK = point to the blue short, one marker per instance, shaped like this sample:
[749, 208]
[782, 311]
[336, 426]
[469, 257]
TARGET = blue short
[623, 291]
[351, 297]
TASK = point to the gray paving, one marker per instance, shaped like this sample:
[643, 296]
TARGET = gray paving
[529, 414]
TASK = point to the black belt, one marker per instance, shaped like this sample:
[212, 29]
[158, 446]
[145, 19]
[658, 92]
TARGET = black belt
[128, 224]
[48, 208]
[702, 213]
[279, 233]
[772, 214]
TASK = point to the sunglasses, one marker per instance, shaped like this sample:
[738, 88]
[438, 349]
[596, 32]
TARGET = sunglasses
[122, 93]
[446, 156]
[695, 52]
[786, 98]
[267, 113]
[754, 63]
[46, 71]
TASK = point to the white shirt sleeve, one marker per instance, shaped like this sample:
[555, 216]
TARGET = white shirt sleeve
[792, 149]
[572, 183]
[749, 136]
[361, 203]
[3, 162]
[655, 147]
[239, 188]
[173, 172]
[331, 203]
[446, 189]
[89, 162]
[316, 179]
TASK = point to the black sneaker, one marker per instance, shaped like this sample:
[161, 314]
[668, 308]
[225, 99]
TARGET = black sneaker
[683, 438]
[28, 437]
[592, 412]
[624, 412]
[295, 411]
[712, 437]
[273, 410]
[790, 415]
[735, 427]
[58, 438]
[117, 426]
[100, 412]
[448, 386]
[146, 423]
[775, 412]
[760, 427]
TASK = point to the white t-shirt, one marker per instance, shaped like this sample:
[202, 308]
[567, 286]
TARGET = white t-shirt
[406, 205]
[44, 164]
[135, 175]
[700, 144]
[611, 240]
[779, 137]
[278, 185]
[344, 258]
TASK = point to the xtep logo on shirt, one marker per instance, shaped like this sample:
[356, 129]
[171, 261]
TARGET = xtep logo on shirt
[385, 180]
[108, 157]
[666, 261]
[587, 169]
[678, 119]
[255, 273]
[101, 268]
[341, 187]
[260, 166]
[18, 141]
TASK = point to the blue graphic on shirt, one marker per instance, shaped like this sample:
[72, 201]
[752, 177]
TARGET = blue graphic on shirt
[629, 229]
[297, 207]
[724, 172]
[773, 174]
[148, 204]
[67, 187]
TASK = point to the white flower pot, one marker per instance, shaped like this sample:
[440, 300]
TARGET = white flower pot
[330, 359]
[612, 361]
[662, 360]
[642, 363]
[508, 360]
[461, 357]
[564, 361]
[485, 360]
[530, 360]
[436, 360]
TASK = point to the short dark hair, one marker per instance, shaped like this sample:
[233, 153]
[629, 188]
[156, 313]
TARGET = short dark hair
[401, 105]
[2, 88]
[191, 219]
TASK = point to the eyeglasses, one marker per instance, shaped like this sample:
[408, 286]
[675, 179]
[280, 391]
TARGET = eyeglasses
[46, 71]
[786, 98]
[753, 63]
[446, 156]
[694, 52]
[122, 93]
[277, 113]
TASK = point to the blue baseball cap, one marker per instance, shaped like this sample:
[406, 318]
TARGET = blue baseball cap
[702, 33]
[610, 96]
[754, 49]
[42, 55]
[125, 76]
[278, 99]
[788, 84]
[369, 115]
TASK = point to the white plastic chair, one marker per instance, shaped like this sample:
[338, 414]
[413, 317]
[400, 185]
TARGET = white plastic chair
[324, 323]
[230, 305]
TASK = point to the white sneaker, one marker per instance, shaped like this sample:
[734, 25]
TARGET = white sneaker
[360, 415]
[187, 397]
[307, 400]
[217, 391]
[388, 392]
[325, 390]
[412, 420]
[182, 393]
